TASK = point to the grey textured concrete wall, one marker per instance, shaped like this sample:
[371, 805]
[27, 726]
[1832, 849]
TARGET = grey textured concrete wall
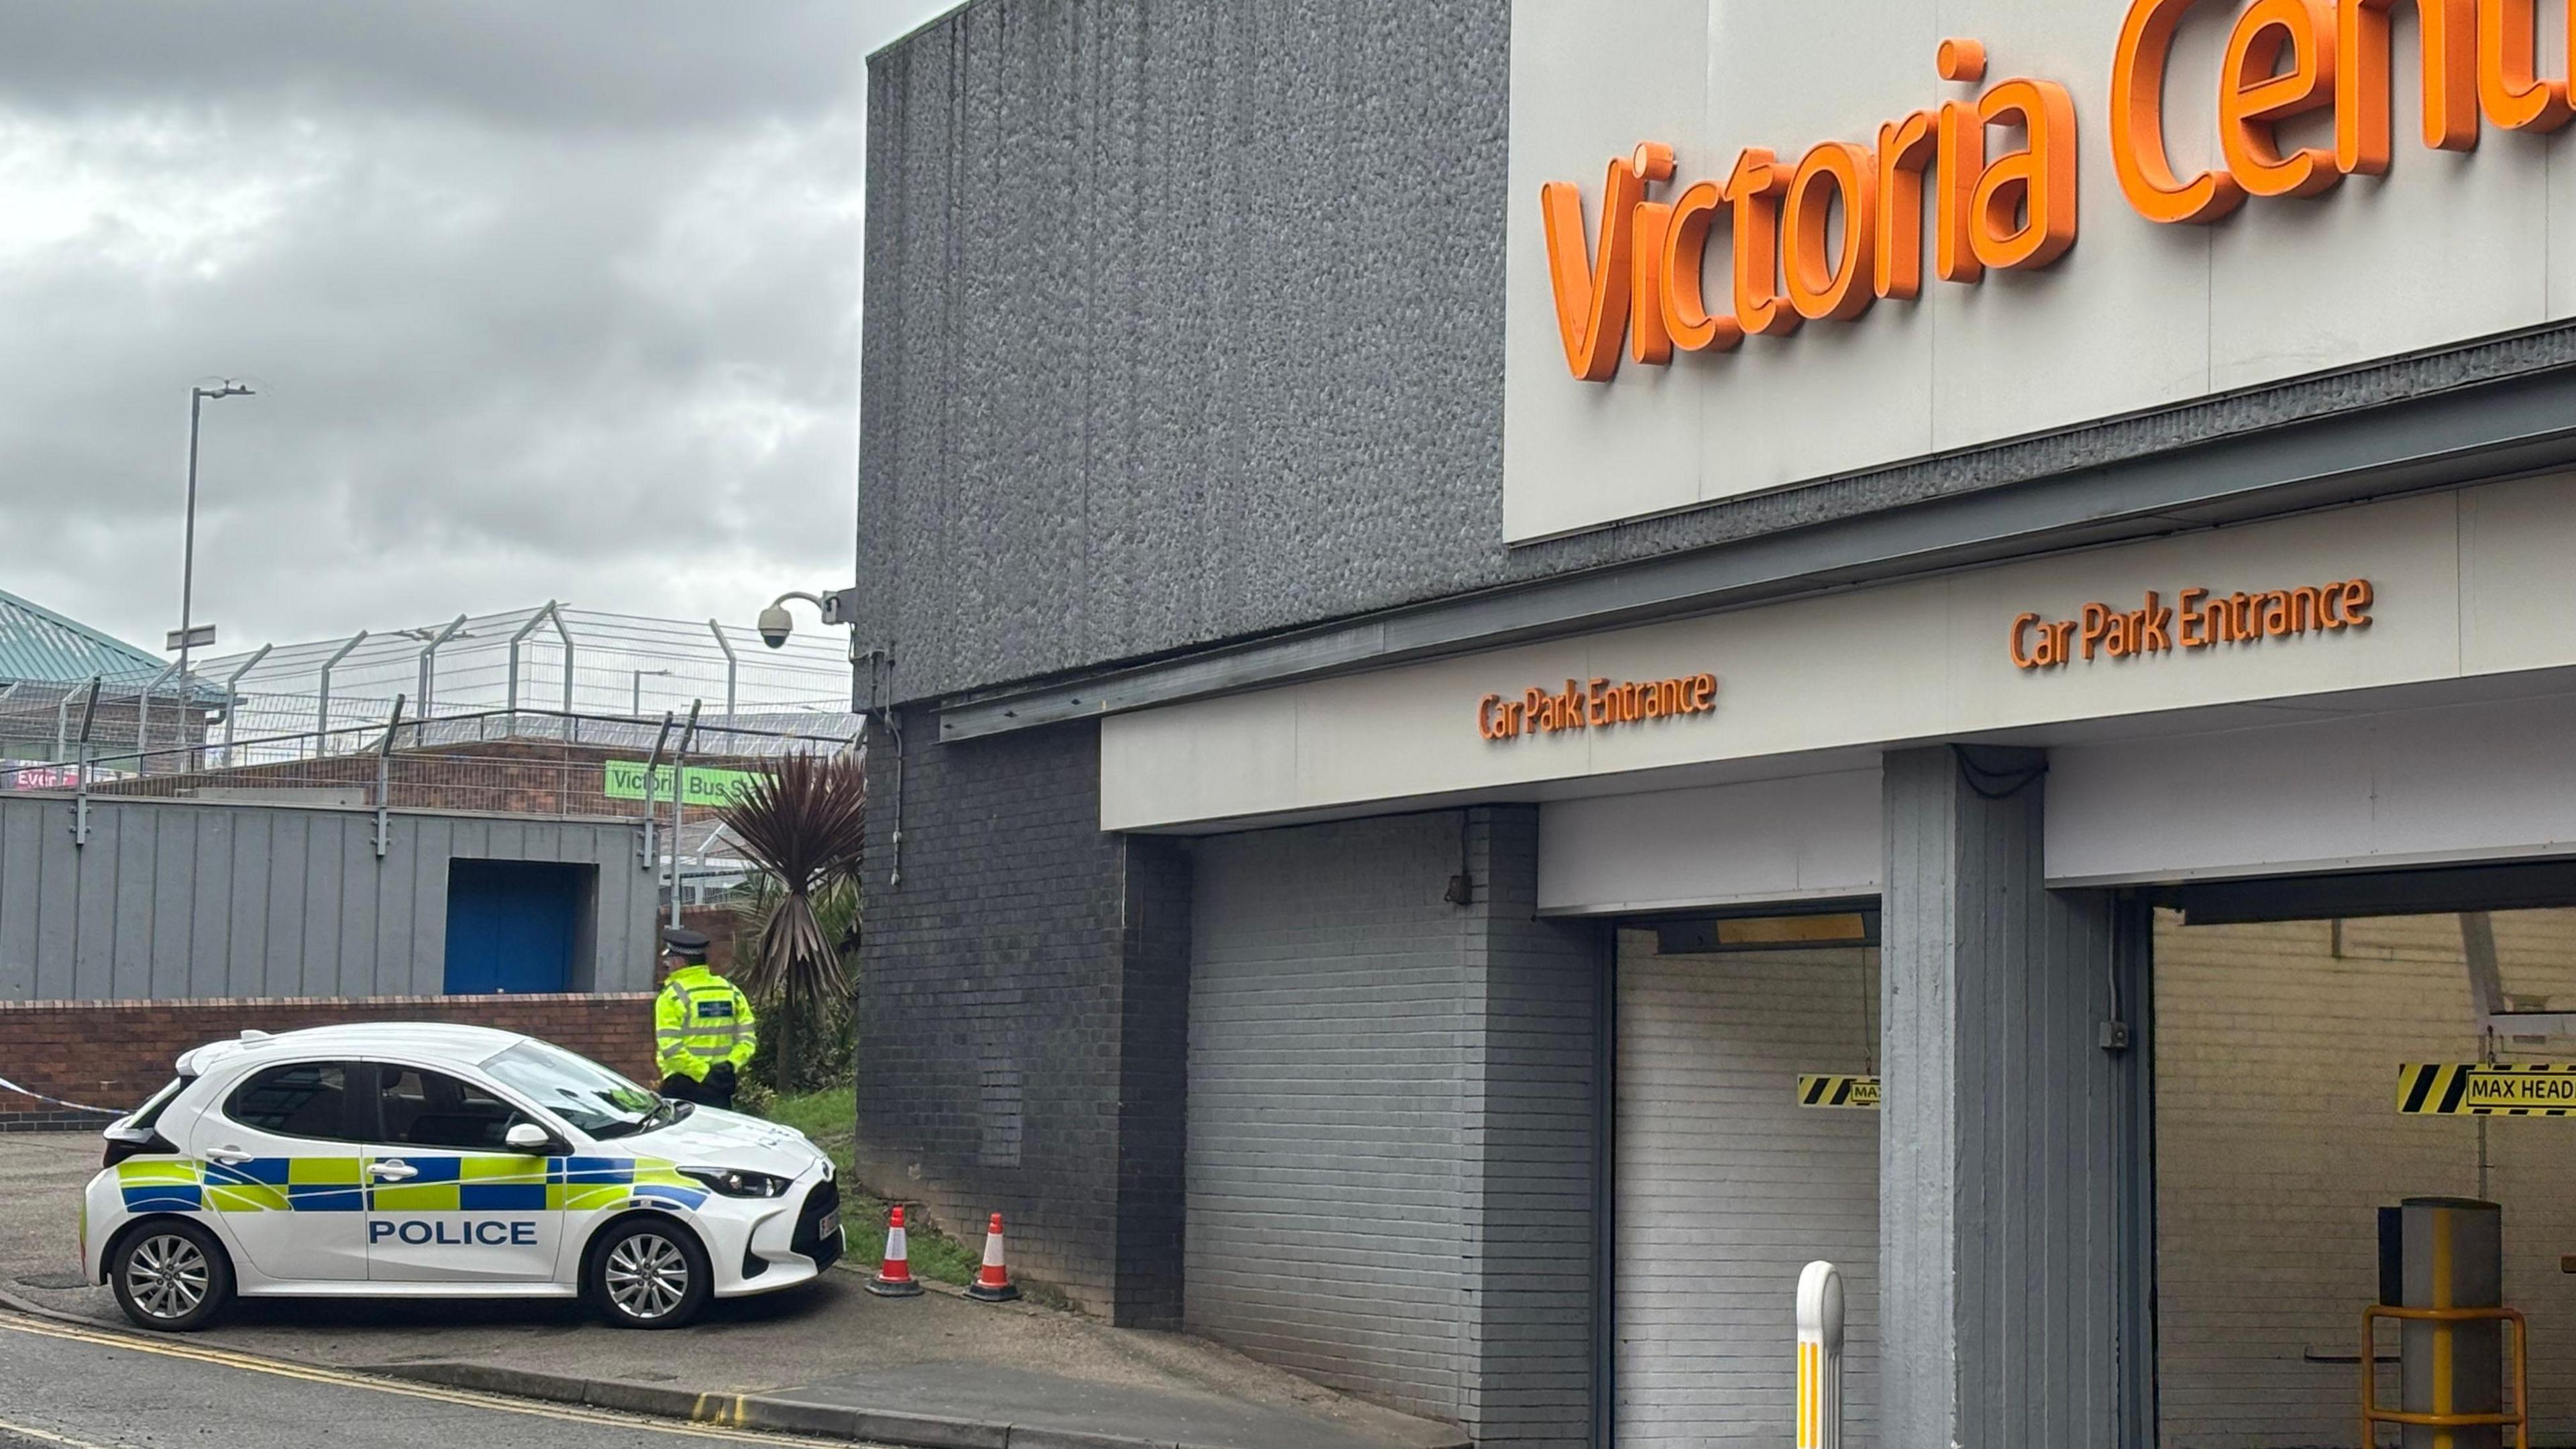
[1184, 321]
[1024, 994]
[1392, 1119]
[194, 900]
[2003, 1187]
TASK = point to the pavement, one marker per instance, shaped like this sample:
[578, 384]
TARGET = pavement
[832, 1359]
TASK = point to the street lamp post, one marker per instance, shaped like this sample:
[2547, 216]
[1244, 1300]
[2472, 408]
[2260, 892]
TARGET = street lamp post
[635, 702]
[197, 396]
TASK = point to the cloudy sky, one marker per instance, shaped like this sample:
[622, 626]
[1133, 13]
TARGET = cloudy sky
[543, 298]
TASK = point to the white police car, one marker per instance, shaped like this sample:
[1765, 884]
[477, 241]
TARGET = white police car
[431, 1160]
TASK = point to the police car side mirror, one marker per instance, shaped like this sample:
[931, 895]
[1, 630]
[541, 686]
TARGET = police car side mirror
[528, 1137]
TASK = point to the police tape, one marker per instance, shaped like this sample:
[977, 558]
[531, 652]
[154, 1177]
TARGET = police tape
[9, 1086]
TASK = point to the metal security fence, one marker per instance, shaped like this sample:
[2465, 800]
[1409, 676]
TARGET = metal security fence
[550, 672]
[537, 763]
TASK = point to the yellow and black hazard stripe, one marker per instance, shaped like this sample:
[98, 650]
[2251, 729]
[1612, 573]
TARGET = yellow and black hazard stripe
[2486, 1089]
[1823, 1090]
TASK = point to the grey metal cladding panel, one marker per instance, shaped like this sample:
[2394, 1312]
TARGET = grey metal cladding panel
[618, 961]
[397, 939]
[433, 849]
[627, 933]
[173, 887]
[129, 860]
[60, 883]
[324, 862]
[1190, 325]
[288, 883]
[246, 943]
[22, 867]
[210, 927]
[21, 885]
[362, 972]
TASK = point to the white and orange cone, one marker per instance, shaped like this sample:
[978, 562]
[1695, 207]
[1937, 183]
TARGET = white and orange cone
[993, 1282]
[894, 1279]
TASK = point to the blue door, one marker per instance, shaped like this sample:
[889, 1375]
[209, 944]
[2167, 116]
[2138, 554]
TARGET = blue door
[513, 925]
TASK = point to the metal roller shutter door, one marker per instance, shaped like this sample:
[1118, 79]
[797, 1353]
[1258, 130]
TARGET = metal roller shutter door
[1726, 1188]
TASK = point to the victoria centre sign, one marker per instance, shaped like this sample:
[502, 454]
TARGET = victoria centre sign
[2377, 164]
[1999, 169]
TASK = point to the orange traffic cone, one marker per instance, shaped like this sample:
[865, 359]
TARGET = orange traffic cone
[894, 1280]
[993, 1283]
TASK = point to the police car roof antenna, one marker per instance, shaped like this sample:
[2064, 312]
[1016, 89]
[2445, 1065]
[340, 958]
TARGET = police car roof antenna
[384, 777]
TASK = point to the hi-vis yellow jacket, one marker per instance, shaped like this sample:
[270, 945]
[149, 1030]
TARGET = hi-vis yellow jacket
[701, 1019]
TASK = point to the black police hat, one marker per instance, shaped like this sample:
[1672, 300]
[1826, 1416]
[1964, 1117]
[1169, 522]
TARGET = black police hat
[681, 941]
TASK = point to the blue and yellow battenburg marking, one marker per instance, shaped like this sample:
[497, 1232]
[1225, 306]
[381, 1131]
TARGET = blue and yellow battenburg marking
[440, 1185]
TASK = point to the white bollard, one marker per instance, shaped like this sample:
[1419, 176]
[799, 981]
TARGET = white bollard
[1820, 1357]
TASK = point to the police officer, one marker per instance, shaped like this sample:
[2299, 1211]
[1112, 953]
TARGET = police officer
[702, 1024]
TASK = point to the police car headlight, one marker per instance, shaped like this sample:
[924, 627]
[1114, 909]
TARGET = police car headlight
[733, 1182]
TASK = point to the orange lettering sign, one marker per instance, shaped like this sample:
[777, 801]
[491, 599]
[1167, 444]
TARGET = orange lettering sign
[1635, 281]
[1593, 704]
[2286, 58]
[1823, 238]
[2196, 619]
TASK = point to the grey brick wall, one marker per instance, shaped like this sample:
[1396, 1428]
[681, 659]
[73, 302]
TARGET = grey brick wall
[1392, 1153]
[1024, 995]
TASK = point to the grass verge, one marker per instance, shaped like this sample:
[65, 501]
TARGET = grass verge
[830, 1118]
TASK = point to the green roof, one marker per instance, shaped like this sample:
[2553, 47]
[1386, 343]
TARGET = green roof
[42, 647]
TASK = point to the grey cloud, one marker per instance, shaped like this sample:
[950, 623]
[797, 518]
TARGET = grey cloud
[546, 299]
[552, 65]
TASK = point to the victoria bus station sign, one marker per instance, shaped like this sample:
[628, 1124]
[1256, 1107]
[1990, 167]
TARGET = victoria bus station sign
[1594, 704]
[2197, 619]
[1991, 171]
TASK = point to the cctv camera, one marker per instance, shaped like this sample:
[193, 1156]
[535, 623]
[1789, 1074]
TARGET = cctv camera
[775, 626]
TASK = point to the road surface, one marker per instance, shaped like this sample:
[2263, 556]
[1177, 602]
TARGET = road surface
[67, 1387]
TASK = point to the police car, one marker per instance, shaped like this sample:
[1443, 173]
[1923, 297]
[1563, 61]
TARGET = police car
[440, 1161]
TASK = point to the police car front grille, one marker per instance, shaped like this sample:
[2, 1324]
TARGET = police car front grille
[822, 1198]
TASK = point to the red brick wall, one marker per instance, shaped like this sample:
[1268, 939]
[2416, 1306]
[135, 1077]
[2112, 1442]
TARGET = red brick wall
[506, 777]
[115, 1053]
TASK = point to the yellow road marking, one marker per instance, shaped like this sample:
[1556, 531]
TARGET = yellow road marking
[25, 1431]
[252, 1363]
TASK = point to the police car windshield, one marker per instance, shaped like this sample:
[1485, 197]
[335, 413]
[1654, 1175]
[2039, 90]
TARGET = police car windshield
[575, 1088]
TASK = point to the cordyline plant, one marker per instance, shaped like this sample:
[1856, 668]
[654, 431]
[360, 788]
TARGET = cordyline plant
[803, 821]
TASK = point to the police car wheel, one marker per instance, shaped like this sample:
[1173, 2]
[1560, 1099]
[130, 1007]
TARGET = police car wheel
[649, 1274]
[171, 1276]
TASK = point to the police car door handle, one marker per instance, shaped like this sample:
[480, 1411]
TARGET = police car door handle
[397, 1170]
[228, 1156]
